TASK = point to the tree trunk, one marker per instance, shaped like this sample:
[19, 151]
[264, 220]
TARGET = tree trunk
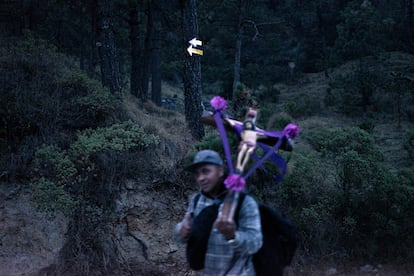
[135, 50]
[237, 61]
[192, 71]
[410, 22]
[156, 55]
[144, 75]
[92, 58]
[26, 15]
[237, 57]
[106, 47]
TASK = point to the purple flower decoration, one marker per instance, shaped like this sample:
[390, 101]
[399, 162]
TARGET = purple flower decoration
[218, 103]
[235, 182]
[291, 131]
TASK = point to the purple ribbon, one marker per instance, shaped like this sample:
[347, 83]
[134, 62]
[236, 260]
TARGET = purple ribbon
[266, 156]
[223, 135]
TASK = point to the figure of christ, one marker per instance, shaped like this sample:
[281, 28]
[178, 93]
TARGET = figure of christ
[247, 145]
[248, 139]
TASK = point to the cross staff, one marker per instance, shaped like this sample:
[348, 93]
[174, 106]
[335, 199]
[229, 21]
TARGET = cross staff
[249, 135]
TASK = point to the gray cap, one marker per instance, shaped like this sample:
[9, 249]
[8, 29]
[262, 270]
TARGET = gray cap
[205, 157]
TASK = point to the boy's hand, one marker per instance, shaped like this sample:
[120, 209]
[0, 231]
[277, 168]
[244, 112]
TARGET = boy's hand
[226, 227]
[185, 226]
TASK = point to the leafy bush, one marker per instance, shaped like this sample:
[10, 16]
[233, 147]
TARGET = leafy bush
[52, 198]
[363, 203]
[43, 93]
[409, 145]
[329, 98]
[307, 197]
[362, 32]
[276, 121]
[353, 94]
[53, 162]
[367, 125]
[268, 94]
[302, 105]
[66, 171]
[122, 136]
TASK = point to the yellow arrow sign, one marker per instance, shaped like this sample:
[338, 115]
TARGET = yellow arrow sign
[192, 51]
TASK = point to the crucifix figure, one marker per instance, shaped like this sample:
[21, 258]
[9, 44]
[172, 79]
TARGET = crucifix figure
[248, 141]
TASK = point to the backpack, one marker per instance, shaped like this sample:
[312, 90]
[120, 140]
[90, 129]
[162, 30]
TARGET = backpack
[279, 238]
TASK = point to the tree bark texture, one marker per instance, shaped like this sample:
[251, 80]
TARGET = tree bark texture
[410, 22]
[237, 54]
[192, 71]
[146, 58]
[135, 49]
[156, 54]
[106, 46]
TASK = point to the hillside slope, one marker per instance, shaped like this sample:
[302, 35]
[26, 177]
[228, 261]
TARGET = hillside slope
[388, 131]
[148, 208]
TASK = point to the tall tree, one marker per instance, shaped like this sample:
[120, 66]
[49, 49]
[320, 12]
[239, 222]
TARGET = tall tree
[410, 23]
[237, 55]
[135, 50]
[192, 70]
[156, 52]
[144, 76]
[106, 46]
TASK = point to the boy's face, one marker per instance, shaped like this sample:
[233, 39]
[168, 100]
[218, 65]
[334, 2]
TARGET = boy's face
[208, 177]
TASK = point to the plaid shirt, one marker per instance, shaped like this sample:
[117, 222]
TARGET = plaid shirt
[223, 258]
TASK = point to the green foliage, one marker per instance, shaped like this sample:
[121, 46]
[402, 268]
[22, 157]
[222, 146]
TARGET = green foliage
[64, 172]
[365, 204]
[43, 92]
[355, 93]
[97, 100]
[362, 32]
[337, 141]
[367, 125]
[275, 121]
[302, 105]
[55, 162]
[213, 141]
[329, 98]
[409, 145]
[267, 94]
[52, 198]
[126, 135]
[308, 198]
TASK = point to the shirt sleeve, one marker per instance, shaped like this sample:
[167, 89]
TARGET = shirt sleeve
[176, 232]
[248, 238]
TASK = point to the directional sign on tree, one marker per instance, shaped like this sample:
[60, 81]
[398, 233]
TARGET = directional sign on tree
[192, 49]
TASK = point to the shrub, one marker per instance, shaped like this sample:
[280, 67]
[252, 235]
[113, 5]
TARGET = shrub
[277, 121]
[52, 198]
[409, 145]
[268, 94]
[365, 199]
[54, 163]
[67, 171]
[308, 198]
[43, 93]
[329, 98]
[356, 92]
[302, 105]
[118, 137]
[367, 125]
[362, 32]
